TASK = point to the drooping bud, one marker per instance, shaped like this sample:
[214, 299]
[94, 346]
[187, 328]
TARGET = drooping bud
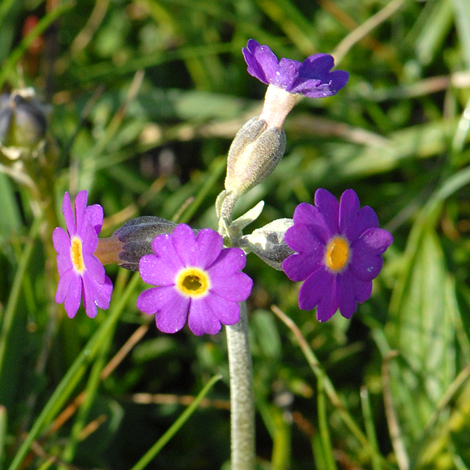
[268, 242]
[23, 123]
[132, 241]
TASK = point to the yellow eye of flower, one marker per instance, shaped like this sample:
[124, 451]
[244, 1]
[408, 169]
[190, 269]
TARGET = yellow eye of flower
[77, 255]
[193, 282]
[337, 254]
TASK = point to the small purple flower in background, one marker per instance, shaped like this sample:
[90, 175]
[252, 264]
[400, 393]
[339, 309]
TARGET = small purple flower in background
[79, 269]
[338, 253]
[311, 78]
[197, 280]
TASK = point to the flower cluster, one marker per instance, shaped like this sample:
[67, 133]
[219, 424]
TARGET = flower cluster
[335, 247]
[196, 279]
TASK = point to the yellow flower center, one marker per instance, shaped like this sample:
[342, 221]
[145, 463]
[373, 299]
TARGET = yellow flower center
[77, 255]
[193, 282]
[337, 254]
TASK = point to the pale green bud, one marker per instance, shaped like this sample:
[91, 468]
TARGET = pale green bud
[253, 155]
[268, 242]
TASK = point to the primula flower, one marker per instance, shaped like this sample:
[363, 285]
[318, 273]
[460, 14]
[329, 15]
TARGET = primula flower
[197, 280]
[338, 253]
[80, 270]
[311, 78]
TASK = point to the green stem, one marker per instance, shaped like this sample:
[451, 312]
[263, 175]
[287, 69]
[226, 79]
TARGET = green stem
[241, 394]
[155, 449]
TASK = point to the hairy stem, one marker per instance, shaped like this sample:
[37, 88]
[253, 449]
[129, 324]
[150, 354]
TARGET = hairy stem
[241, 394]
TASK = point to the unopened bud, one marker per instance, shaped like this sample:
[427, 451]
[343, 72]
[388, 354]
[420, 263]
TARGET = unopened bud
[253, 155]
[136, 237]
[23, 123]
[268, 242]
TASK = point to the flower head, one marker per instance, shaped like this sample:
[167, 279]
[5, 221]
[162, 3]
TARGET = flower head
[79, 269]
[311, 78]
[197, 280]
[338, 253]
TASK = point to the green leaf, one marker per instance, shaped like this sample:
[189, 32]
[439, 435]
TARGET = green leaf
[422, 330]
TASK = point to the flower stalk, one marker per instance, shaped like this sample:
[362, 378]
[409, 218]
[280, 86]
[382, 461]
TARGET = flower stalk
[242, 414]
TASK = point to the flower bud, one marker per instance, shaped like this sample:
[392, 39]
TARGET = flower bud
[268, 242]
[253, 155]
[132, 241]
[23, 123]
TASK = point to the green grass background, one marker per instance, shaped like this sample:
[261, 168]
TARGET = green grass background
[144, 98]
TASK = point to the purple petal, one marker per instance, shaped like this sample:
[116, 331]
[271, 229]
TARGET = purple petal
[95, 216]
[90, 238]
[209, 246]
[366, 261]
[350, 291]
[353, 220]
[173, 314]
[227, 312]
[299, 266]
[73, 296]
[160, 270]
[80, 206]
[94, 267]
[171, 308]
[317, 66]
[261, 61]
[202, 319]
[305, 239]
[286, 74]
[68, 215]
[306, 214]
[329, 208]
[95, 294]
[319, 290]
[61, 241]
[235, 288]
[65, 279]
[229, 261]
[184, 243]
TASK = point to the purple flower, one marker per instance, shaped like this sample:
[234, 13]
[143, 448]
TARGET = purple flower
[339, 248]
[196, 278]
[80, 270]
[311, 78]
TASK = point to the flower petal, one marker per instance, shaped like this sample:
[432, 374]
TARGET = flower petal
[366, 259]
[229, 261]
[80, 206]
[319, 290]
[209, 246]
[171, 309]
[95, 294]
[307, 239]
[235, 288]
[350, 291]
[262, 62]
[227, 312]
[202, 319]
[353, 221]
[160, 269]
[68, 215]
[95, 215]
[329, 208]
[66, 278]
[73, 296]
[184, 243]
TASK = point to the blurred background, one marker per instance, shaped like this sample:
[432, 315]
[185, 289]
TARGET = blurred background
[142, 99]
